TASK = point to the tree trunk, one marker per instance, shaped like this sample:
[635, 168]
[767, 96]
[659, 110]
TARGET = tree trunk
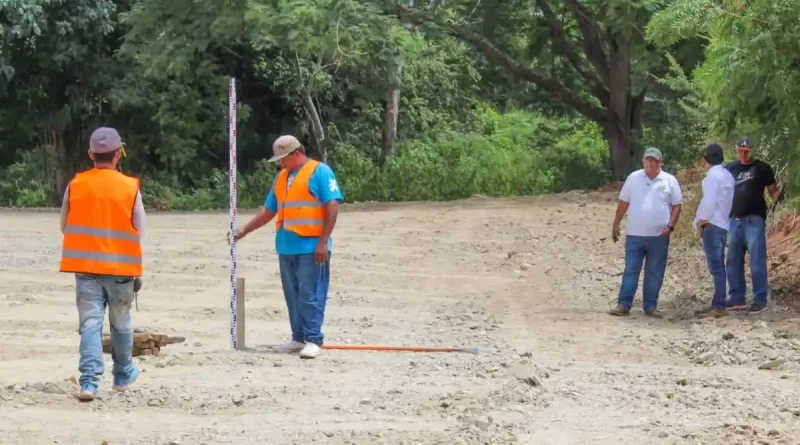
[390, 114]
[56, 165]
[391, 110]
[635, 140]
[316, 126]
[624, 138]
[619, 149]
[620, 104]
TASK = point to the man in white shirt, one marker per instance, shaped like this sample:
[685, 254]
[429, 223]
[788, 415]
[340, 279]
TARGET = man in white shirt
[652, 198]
[712, 224]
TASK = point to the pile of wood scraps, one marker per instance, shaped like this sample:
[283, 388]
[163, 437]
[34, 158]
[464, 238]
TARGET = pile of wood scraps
[145, 343]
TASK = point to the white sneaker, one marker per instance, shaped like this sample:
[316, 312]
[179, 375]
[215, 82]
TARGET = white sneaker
[292, 346]
[311, 350]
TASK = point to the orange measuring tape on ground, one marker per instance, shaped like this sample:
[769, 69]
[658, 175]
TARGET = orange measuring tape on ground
[399, 348]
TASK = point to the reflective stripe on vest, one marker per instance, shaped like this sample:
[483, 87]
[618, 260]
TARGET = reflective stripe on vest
[298, 210]
[105, 233]
[299, 204]
[99, 237]
[97, 256]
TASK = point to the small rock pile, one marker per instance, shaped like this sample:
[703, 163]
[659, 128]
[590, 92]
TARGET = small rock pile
[738, 433]
[34, 393]
[761, 349]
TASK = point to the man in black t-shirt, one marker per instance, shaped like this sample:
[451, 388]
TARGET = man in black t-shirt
[748, 228]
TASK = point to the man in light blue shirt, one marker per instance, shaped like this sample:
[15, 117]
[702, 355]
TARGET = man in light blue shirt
[712, 223]
[304, 197]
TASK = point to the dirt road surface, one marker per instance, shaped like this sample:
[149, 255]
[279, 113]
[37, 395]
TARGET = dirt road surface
[528, 281]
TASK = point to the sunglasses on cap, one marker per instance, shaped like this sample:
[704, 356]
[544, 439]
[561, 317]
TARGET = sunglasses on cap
[743, 144]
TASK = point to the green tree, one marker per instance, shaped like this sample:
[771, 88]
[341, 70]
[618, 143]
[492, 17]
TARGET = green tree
[599, 64]
[57, 73]
[750, 78]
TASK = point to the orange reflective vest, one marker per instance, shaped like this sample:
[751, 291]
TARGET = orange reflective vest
[298, 210]
[99, 237]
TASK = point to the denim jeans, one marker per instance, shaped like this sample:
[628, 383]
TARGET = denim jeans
[94, 293]
[714, 240]
[747, 235]
[652, 251]
[305, 288]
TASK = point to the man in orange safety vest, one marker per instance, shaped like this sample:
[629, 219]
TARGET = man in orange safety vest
[304, 197]
[102, 218]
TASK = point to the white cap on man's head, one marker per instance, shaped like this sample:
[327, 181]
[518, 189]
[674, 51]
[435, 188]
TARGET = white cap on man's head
[283, 146]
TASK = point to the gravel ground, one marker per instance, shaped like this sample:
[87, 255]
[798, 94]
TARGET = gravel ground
[527, 281]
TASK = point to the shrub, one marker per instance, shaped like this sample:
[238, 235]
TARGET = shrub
[516, 153]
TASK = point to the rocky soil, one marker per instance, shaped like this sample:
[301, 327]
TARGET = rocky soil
[527, 281]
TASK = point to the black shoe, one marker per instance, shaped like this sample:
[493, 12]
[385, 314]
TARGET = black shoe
[756, 309]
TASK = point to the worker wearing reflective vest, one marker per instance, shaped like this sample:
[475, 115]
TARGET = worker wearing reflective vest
[304, 200]
[102, 218]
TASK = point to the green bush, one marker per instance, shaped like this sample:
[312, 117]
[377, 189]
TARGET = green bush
[516, 153]
[211, 192]
[358, 175]
[23, 183]
[579, 159]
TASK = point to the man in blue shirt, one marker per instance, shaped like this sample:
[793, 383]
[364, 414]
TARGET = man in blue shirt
[304, 197]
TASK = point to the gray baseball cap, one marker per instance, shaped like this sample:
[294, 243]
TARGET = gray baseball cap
[654, 153]
[104, 140]
[283, 146]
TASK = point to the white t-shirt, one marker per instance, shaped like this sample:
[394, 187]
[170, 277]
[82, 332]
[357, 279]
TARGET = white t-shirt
[650, 202]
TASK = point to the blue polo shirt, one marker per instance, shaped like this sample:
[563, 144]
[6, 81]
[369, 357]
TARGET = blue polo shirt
[323, 186]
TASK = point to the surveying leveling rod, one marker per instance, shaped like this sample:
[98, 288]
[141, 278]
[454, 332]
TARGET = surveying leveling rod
[232, 143]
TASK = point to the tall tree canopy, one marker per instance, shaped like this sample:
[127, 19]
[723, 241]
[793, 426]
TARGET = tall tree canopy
[750, 76]
[589, 55]
[407, 99]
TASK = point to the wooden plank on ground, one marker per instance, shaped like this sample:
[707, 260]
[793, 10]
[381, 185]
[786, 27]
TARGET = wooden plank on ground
[145, 343]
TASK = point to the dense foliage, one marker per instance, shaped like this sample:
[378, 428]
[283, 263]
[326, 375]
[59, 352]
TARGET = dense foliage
[749, 79]
[406, 100]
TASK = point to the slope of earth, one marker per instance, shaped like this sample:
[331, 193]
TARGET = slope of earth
[783, 254]
[528, 281]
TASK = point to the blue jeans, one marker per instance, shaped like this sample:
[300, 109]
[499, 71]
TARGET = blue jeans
[305, 288]
[652, 251]
[94, 293]
[747, 235]
[714, 240]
